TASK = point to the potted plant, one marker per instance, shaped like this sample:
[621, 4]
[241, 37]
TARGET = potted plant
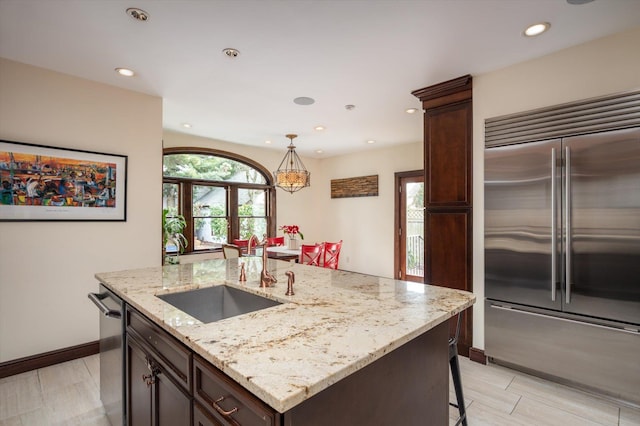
[172, 227]
[292, 231]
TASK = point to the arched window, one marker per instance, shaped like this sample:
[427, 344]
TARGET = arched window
[222, 196]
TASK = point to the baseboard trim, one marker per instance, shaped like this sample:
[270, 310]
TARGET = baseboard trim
[477, 355]
[33, 362]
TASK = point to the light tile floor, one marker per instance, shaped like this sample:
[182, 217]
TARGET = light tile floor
[495, 395]
[62, 394]
[68, 394]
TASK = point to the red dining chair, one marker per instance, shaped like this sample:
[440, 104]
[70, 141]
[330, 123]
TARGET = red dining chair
[275, 241]
[244, 244]
[311, 254]
[241, 243]
[331, 254]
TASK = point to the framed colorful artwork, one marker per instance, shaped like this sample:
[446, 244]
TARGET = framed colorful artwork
[40, 182]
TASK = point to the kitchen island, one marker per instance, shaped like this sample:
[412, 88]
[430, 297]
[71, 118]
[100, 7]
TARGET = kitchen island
[346, 348]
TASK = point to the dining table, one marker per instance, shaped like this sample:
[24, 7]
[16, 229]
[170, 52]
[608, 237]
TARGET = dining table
[283, 253]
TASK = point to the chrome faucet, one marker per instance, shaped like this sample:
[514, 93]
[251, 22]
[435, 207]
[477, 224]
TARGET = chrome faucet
[266, 279]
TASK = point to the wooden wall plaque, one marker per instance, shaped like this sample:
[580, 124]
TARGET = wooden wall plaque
[363, 186]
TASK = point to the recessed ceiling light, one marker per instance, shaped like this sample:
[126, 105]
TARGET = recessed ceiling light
[536, 29]
[138, 14]
[411, 110]
[319, 128]
[231, 52]
[125, 72]
[267, 142]
[319, 151]
[186, 125]
[371, 141]
[304, 100]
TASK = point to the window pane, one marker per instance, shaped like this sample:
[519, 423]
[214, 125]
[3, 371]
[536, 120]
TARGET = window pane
[252, 212]
[252, 225]
[209, 167]
[252, 202]
[170, 197]
[210, 216]
[170, 201]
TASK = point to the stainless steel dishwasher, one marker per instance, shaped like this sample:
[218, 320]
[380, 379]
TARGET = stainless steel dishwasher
[112, 389]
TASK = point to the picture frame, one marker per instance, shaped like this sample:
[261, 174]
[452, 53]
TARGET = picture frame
[46, 183]
[362, 186]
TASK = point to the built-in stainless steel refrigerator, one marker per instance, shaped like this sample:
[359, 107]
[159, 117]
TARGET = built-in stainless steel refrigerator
[562, 259]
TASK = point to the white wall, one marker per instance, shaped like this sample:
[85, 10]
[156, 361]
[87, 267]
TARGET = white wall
[366, 224]
[601, 67]
[47, 268]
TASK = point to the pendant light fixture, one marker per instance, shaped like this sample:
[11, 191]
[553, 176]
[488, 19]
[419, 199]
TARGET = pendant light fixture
[291, 175]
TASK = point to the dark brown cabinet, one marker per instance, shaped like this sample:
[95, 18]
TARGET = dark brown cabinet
[163, 393]
[447, 155]
[164, 376]
[227, 402]
[448, 160]
[138, 391]
[157, 392]
[203, 417]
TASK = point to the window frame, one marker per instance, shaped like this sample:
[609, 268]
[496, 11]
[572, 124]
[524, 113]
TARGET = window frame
[185, 193]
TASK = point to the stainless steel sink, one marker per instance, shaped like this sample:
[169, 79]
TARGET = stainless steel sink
[216, 303]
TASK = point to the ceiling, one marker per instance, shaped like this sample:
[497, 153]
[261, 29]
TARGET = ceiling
[367, 53]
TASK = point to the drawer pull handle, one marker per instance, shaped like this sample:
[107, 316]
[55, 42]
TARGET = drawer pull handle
[149, 379]
[220, 410]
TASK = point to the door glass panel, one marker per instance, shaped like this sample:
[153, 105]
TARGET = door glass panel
[252, 211]
[211, 222]
[414, 234]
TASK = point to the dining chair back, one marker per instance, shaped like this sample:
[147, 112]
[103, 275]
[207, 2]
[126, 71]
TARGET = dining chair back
[275, 241]
[244, 244]
[241, 243]
[332, 254]
[311, 254]
[231, 251]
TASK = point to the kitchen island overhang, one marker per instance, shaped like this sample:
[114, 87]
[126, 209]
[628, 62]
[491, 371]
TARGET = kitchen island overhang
[336, 324]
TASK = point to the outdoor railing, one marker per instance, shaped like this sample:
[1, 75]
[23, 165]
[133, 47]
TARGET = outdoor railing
[415, 255]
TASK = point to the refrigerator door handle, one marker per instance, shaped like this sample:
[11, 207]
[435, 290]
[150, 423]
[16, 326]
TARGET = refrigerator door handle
[554, 226]
[567, 224]
[626, 330]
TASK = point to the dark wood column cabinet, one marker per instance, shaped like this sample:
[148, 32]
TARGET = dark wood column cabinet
[448, 167]
[447, 155]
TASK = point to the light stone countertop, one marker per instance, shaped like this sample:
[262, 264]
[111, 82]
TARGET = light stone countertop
[336, 323]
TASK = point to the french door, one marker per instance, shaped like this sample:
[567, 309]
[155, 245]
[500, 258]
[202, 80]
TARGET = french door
[409, 220]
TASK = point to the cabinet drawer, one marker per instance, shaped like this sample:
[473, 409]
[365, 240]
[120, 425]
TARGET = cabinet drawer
[171, 355]
[202, 416]
[229, 402]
